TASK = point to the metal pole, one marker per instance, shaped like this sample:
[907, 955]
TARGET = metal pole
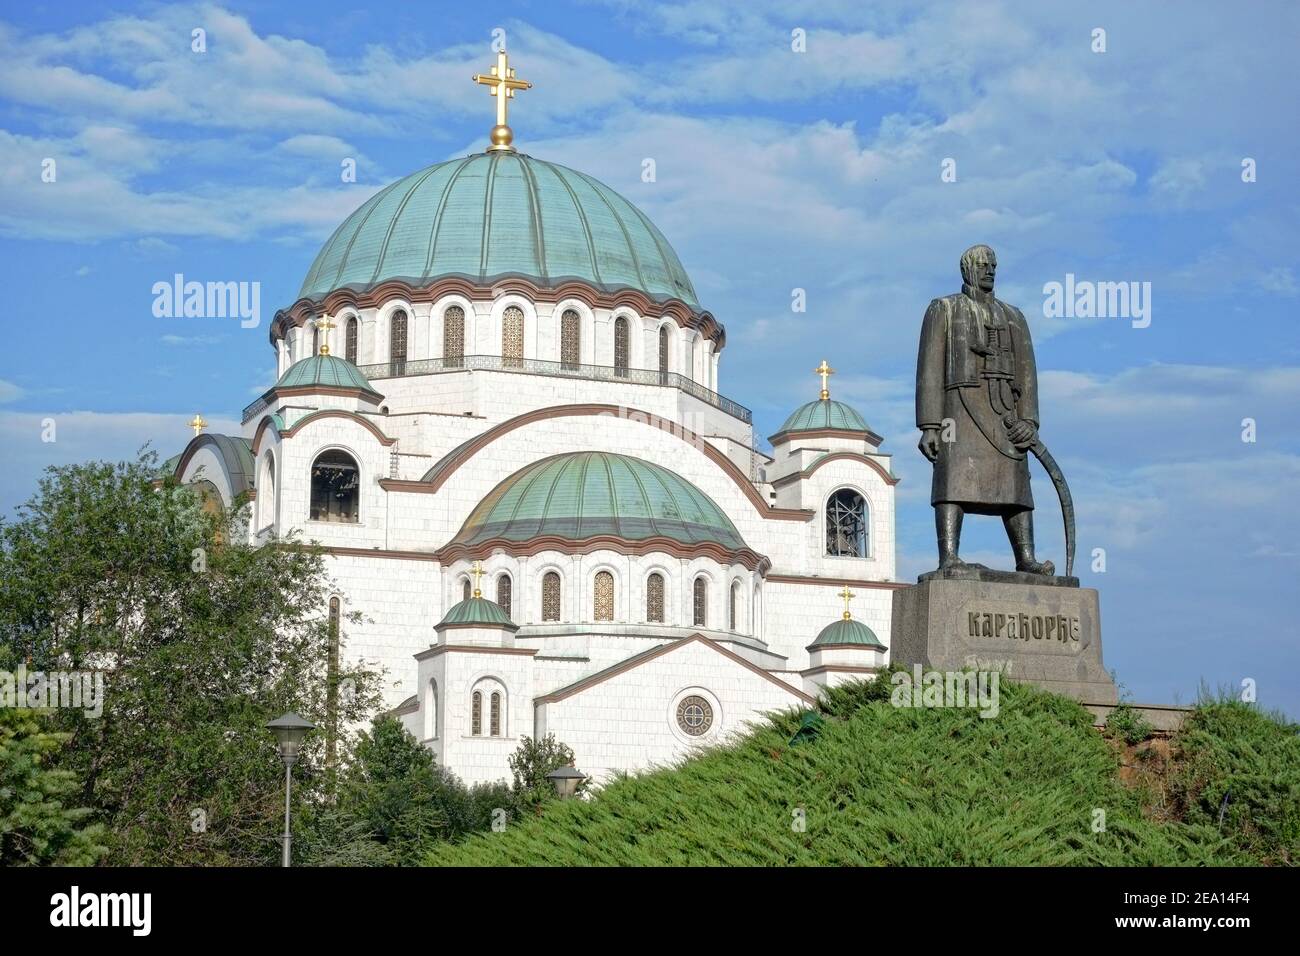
[288, 782]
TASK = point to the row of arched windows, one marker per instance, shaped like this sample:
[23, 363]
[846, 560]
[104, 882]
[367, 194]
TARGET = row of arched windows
[512, 340]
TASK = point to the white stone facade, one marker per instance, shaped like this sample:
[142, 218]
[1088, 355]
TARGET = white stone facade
[441, 439]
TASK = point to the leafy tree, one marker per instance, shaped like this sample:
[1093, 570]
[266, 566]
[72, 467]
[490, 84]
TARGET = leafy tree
[530, 763]
[202, 639]
[37, 827]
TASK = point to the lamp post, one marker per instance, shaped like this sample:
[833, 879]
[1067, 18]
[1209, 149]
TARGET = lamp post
[565, 780]
[289, 731]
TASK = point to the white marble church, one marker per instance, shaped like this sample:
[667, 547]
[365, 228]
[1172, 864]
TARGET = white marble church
[497, 409]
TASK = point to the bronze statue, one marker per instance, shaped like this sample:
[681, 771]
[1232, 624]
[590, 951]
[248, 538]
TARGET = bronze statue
[977, 408]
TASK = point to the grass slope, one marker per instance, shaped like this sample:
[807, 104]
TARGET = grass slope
[890, 786]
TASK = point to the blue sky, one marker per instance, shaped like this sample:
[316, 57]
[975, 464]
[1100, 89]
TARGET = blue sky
[775, 170]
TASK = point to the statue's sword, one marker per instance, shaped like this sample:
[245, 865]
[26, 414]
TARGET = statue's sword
[1062, 491]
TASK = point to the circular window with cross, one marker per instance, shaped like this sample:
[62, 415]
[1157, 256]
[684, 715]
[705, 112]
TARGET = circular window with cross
[694, 715]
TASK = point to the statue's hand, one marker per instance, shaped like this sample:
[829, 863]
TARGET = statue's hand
[1023, 433]
[929, 444]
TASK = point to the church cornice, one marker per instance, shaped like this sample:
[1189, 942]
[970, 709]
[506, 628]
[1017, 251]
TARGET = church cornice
[835, 456]
[850, 433]
[659, 544]
[684, 315]
[436, 476]
[269, 422]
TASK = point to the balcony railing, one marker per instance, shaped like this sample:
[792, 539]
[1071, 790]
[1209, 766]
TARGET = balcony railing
[499, 363]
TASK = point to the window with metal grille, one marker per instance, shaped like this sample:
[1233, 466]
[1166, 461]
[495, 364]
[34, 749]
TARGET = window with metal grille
[570, 339]
[503, 592]
[335, 487]
[663, 353]
[453, 337]
[494, 724]
[476, 714]
[603, 596]
[654, 598]
[846, 524]
[701, 603]
[397, 342]
[350, 341]
[620, 347]
[731, 606]
[512, 337]
[550, 596]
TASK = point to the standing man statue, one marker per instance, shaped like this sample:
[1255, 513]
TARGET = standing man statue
[977, 408]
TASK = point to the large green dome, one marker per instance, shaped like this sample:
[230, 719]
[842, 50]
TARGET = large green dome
[499, 214]
[583, 495]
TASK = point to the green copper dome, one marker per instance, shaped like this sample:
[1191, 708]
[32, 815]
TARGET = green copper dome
[847, 631]
[825, 413]
[327, 370]
[477, 610]
[582, 495]
[499, 214]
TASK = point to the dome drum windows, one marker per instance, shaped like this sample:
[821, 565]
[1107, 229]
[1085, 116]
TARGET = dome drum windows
[505, 592]
[512, 337]
[350, 340]
[846, 525]
[621, 347]
[654, 598]
[397, 342]
[453, 337]
[335, 487]
[550, 596]
[570, 340]
[700, 602]
[603, 596]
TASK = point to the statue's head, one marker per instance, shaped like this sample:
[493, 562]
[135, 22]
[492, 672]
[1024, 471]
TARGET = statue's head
[978, 265]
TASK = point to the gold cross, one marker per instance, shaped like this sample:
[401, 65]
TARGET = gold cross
[502, 84]
[848, 596]
[198, 425]
[478, 572]
[825, 371]
[323, 324]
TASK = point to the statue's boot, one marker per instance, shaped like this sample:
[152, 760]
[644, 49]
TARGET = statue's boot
[947, 522]
[1020, 529]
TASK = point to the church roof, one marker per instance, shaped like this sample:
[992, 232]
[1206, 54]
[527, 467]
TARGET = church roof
[327, 370]
[847, 631]
[825, 413]
[499, 214]
[476, 610]
[583, 495]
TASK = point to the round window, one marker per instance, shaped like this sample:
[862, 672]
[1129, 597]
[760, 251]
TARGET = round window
[694, 715]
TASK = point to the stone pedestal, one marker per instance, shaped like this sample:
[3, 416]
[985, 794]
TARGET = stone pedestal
[1048, 634]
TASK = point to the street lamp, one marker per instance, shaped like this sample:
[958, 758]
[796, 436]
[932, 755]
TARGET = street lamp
[289, 731]
[565, 780]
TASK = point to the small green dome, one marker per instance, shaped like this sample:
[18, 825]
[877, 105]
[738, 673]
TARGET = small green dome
[327, 370]
[847, 631]
[499, 214]
[477, 610]
[583, 495]
[825, 413]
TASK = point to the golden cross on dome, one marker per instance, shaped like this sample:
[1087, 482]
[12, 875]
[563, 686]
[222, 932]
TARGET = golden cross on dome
[501, 83]
[848, 596]
[478, 572]
[825, 371]
[198, 424]
[323, 325]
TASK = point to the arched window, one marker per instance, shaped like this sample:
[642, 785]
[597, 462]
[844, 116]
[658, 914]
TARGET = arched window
[504, 592]
[694, 370]
[464, 590]
[512, 337]
[476, 714]
[453, 337]
[315, 339]
[620, 347]
[663, 353]
[701, 602]
[570, 339]
[397, 342]
[846, 524]
[335, 487]
[266, 494]
[550, 596]
[431, 711]
[733, 599]
[350, 340]
[494, 723]
[603, 596]
[654, 598]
